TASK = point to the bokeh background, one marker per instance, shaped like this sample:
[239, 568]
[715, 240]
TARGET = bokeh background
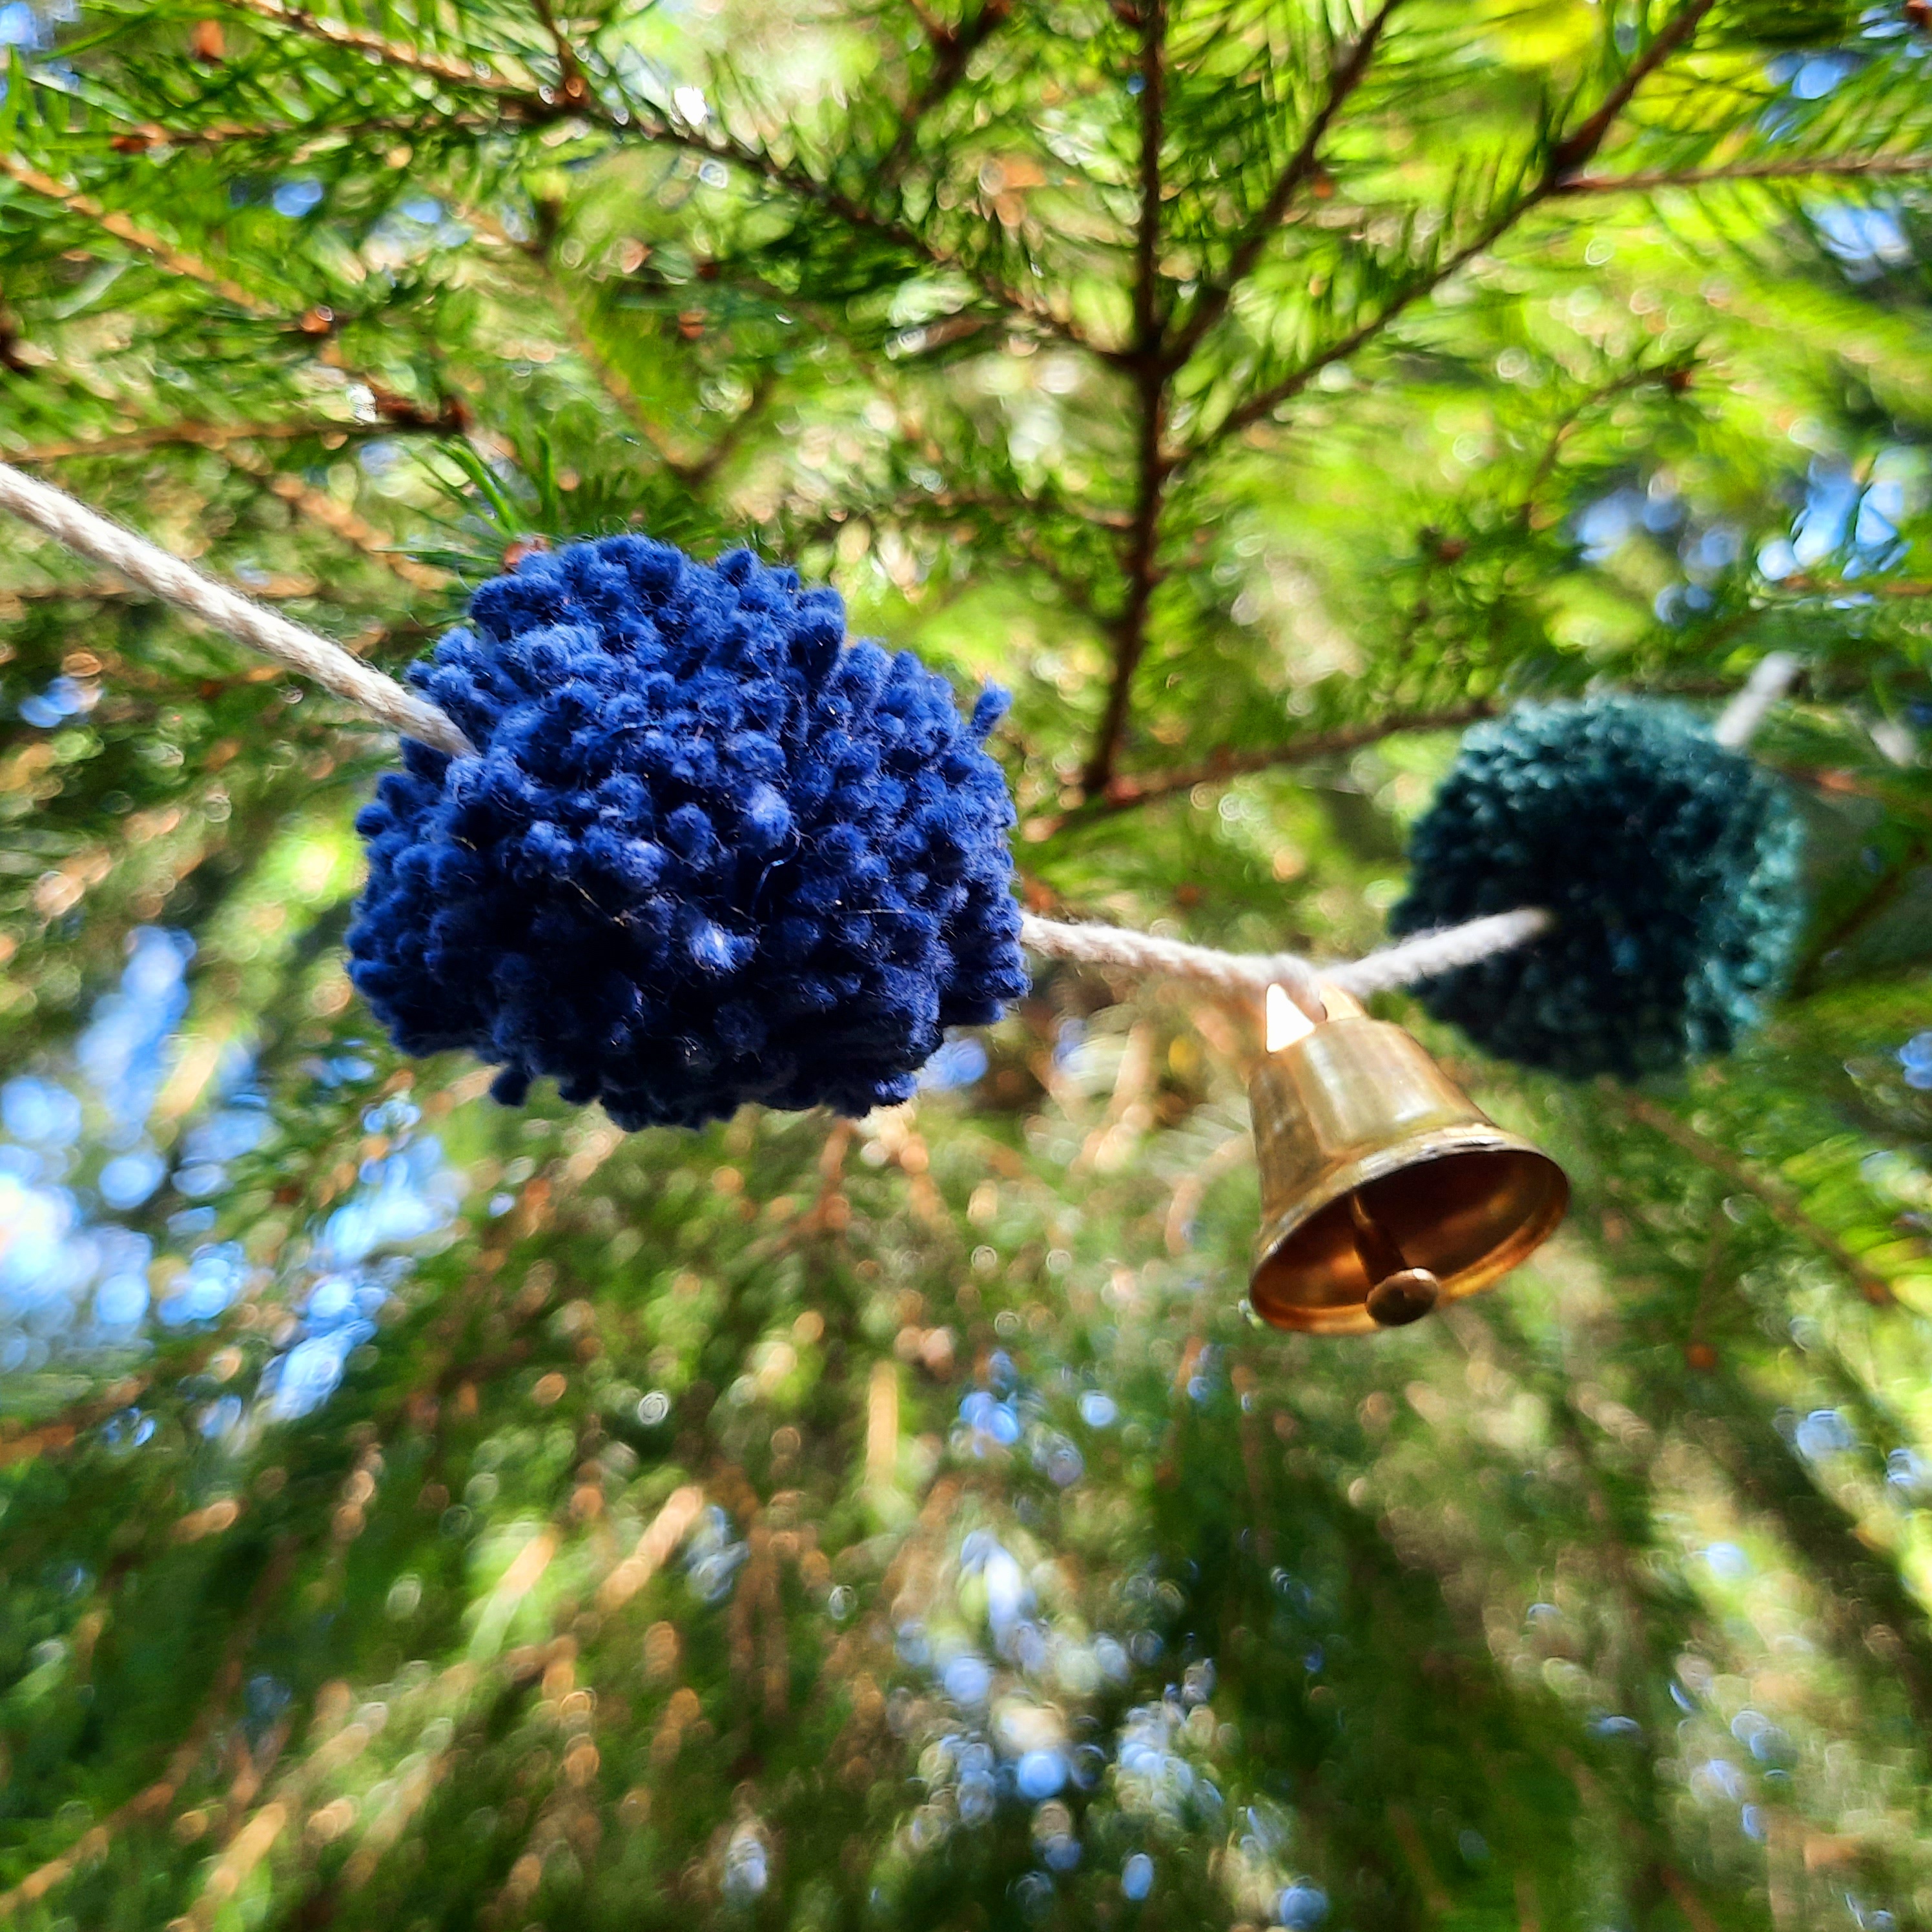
[421, 1514]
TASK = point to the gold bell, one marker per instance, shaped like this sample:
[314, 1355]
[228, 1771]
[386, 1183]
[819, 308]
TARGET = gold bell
[1384, 1192]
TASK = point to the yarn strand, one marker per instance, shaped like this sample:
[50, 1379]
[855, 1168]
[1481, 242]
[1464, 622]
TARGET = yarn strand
[85, 532]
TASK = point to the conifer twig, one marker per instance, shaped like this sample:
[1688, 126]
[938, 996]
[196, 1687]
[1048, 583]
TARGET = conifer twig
[1782, 1203]
[1129, 790]
[1345, 74]
[467, 74]
[1151, 373]
[953, 48]
[178, 261]
[204, 436]
[1794, 167]
[94, 536]
[336, 518]
[1568, 155]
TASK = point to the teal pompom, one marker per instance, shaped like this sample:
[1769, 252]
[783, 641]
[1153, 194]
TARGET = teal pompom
[1671, 864]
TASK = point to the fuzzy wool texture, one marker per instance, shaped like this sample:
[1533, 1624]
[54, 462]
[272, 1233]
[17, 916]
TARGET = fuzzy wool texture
[706, 854]
[1671, 864]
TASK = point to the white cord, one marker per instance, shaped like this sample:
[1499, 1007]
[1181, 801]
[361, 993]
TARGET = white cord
[153, 569]
[1250, 974]
[1247, 974]
[1738, 723]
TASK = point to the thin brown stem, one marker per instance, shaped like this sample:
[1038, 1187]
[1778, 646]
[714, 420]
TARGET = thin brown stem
[539, 104]
[1345, 76]
[1862, 917]
[1565, 158]
[390, 53]
[177, 261]
[1781, 1202]
[571, 84]
[953, 49]
[695, 474]
[143, 137]
[1151, 371]
[1574, 149]
[321, 509]
[218, 436]
[1567, 424]
[1797, 167]
[1128, 791]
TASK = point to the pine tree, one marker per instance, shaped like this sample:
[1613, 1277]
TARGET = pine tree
[423, 1513]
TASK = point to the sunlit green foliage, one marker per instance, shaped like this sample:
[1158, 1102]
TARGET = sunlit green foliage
[819, 1524]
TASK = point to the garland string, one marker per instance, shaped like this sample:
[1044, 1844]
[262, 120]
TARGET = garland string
[149, 568]
[73, 524]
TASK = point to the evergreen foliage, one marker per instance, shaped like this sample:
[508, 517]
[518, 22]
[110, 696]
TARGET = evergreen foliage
[420, 1513]
[1671, 864]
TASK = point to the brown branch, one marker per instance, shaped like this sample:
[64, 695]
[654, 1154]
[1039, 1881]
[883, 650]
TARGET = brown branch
[219, 436]
[1794, 168]
[1151, 371]
[340, 521]
[59, 1431]
[178, 260]
[1566, 424]
[1127, 790]
[1568, 154]
[1869, 909]
[574, 88]
[538, 104]
[1344, 77]
[953, 48]
[156, 1798]
[695, 474]
[143, 137]
[1782, 1203]
[391, 53]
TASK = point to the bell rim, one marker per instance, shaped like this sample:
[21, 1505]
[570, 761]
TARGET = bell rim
[1471, 1137]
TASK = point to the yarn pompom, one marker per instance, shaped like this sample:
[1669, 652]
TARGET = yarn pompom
[1670, 863]
[706, 853]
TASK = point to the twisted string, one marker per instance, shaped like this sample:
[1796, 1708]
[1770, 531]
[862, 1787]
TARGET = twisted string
[148, 567]
[1245, 974]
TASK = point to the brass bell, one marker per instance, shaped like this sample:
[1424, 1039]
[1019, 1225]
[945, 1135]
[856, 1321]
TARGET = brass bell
[1384, 1192]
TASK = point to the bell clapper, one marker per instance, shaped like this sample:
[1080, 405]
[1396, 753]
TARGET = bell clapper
[1398, 1294]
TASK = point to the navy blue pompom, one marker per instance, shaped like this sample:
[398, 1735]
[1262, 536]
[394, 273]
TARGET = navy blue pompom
[705, 854]
[1671, 864]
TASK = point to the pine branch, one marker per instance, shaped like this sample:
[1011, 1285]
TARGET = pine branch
[573, 87]
[695, 475]
[177, 261]
[1564, 157]
[953, 49]
[539, 105]
[1150, 375]
[1841, 167]
[1671, 374]
[1891, 886]
[154, 1800]
[146, 136]
[393, 53]
[340, 521]
[219, 436]
[1571, 152]
[1345, 76]
[1128, 791]
[1782, 1203]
